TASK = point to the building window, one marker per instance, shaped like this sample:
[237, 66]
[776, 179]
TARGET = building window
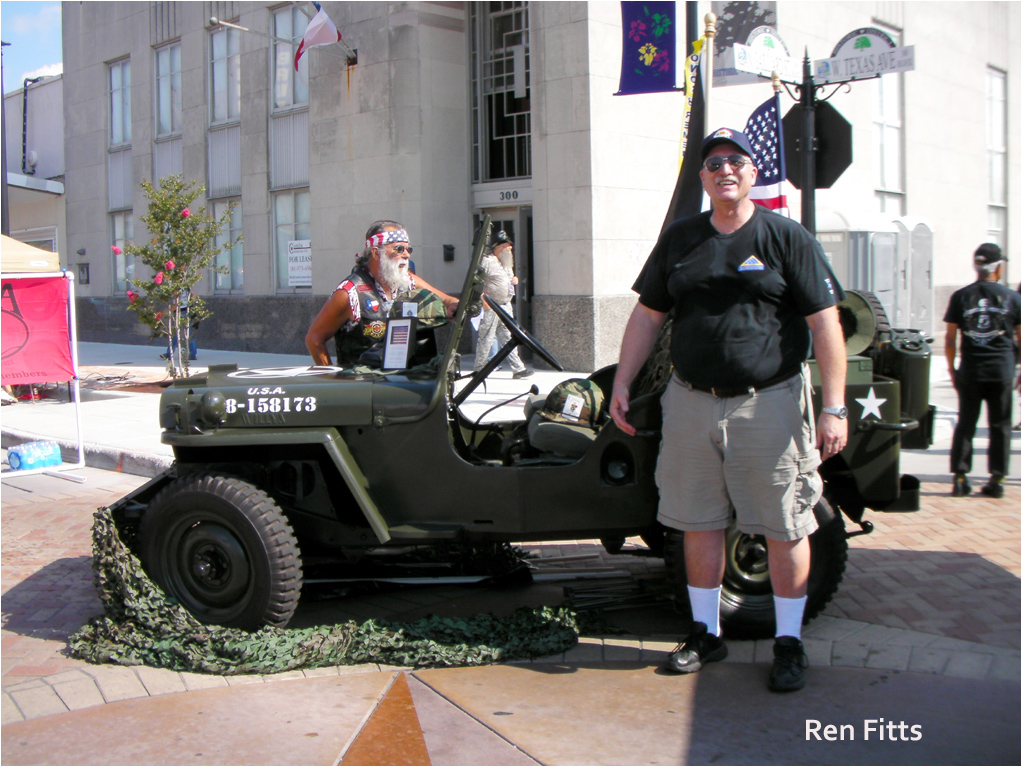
[168, 90]
[888, 135]
[501, 101]
[233, 257]
[997, 157]
[290, 88]
[122, 227]
[292, 214]
[120, 103]
[224, 76]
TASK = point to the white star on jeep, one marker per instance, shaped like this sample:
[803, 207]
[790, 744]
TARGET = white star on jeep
[871, 404]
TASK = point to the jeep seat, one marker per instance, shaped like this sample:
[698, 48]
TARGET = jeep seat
[568, 419]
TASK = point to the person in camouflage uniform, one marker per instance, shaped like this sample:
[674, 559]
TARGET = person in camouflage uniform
[499, 288]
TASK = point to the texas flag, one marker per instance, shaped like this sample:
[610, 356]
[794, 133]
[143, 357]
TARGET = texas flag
[321, 31]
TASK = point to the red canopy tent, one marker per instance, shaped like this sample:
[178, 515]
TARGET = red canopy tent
[38, 339]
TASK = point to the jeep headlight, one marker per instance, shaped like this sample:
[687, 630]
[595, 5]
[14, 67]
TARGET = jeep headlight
[212, 409]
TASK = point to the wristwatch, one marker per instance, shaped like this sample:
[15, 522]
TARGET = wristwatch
[841, 412]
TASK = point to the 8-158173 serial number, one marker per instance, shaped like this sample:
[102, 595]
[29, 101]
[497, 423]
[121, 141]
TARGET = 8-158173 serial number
[272, 405]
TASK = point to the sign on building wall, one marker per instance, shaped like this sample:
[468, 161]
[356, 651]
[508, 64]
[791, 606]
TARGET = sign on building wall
[299, 264]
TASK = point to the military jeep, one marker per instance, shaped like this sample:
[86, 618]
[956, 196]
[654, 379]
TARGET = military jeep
[279, 468]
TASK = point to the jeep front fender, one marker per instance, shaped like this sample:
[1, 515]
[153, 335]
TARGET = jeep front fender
[329, 438]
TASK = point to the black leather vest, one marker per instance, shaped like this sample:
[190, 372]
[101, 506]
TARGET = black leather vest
[372, 326]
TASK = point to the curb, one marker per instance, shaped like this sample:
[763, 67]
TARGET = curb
[96, 456]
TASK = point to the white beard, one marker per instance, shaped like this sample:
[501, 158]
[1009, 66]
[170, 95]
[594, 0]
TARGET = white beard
[395, 276]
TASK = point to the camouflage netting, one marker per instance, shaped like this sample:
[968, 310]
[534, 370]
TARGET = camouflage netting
[141, 626]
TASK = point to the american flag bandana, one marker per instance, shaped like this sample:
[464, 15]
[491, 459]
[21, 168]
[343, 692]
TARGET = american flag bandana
[385, 238]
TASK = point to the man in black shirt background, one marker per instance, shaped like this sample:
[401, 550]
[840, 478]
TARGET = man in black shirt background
[986, 314]
[750, 290]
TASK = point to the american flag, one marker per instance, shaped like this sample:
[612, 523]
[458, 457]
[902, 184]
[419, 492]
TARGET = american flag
[764, 131]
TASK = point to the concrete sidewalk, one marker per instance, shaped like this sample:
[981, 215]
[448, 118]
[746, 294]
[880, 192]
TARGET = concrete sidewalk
[924, 631]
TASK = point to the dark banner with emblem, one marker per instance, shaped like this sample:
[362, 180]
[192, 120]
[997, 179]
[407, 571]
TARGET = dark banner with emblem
[648, 51]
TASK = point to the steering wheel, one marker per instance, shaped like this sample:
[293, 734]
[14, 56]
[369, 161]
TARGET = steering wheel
[520, 334]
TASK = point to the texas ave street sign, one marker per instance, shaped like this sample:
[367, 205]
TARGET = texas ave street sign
[862, 67]
[863, 54]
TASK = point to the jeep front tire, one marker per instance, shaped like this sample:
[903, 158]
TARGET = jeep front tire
[224, 549]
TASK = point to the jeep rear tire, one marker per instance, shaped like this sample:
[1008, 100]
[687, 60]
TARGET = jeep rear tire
[224, 550]
[746, 599]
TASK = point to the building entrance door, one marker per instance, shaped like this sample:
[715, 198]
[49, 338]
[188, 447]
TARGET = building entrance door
[517, 223]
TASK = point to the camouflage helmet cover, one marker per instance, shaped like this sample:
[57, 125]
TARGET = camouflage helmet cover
[423, 304]
[578, 402]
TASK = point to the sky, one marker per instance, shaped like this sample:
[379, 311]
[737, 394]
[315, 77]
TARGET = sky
[33, 31]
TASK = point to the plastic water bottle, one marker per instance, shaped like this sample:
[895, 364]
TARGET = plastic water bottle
[34, 455]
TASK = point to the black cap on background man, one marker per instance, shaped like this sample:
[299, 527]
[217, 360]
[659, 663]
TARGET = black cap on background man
[987, 254]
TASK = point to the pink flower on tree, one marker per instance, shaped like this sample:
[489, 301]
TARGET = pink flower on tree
[159, 316]
[116, 250]
[132, 295]
[185, 213]
[169, 266]
[158, 279]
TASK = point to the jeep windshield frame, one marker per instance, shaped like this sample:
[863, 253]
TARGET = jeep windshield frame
[468, 306]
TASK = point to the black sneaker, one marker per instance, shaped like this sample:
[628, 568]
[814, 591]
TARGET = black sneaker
[696, 649]
[961, 487]
[790, 663]
[994, 488]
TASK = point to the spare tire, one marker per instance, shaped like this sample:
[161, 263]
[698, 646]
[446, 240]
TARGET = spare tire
[747, 599]
[863, 321]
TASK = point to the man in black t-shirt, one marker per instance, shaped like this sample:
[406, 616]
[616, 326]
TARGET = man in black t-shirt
[749, 291]
[986, 313]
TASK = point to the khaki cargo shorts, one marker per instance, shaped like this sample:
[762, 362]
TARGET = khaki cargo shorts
[751, 458]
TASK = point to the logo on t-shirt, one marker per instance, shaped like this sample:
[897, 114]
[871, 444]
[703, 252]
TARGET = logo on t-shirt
[985, 322]
[751, 264]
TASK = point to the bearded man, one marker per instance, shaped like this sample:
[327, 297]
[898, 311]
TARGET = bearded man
[356, 313]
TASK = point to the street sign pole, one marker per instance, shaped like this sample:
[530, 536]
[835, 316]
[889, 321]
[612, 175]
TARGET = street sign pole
[807, 146]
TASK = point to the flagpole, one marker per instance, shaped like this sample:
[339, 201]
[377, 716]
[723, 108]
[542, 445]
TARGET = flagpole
[709, 33]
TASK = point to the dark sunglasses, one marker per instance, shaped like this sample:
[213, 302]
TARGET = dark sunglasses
[736, 161]
[402, 248]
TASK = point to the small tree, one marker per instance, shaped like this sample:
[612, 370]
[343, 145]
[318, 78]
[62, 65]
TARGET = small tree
[182, 247]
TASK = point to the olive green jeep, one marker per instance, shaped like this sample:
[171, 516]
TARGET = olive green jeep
[277, 469]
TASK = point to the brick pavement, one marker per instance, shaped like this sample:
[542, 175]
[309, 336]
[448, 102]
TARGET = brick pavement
[46, 577]
[950, 571]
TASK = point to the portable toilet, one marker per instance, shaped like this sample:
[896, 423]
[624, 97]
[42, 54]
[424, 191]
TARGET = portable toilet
[863, 250]
[915, 249]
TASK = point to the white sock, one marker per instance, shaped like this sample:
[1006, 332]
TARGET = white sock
[706, 607]
[789, 613]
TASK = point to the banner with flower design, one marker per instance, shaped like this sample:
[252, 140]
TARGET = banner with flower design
[648, 51]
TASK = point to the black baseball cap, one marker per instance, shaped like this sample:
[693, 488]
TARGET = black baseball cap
[728, 136]
[500, 238]
[988, 253]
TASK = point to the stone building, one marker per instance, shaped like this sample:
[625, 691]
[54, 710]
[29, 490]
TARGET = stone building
[456, 109]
